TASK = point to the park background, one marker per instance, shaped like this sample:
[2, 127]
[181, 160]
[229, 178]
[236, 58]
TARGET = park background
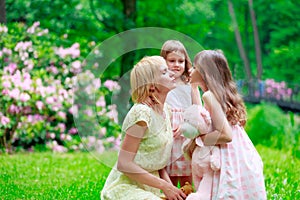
[43, 48]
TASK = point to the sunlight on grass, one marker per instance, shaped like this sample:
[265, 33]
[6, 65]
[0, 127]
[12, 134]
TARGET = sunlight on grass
[281, 172]
[82, 175]
[54, 176]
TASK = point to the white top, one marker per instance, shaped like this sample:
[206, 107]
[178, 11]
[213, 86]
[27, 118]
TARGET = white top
[180, 97]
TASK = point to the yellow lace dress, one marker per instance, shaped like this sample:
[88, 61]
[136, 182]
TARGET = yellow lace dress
[153, 154]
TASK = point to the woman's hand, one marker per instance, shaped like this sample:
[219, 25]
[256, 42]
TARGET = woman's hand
[172, 192]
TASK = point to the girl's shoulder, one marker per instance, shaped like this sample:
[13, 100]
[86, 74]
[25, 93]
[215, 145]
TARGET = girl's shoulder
[210, 99]
[208, 95]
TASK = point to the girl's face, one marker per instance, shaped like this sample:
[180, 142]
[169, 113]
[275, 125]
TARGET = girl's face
[176, 63]
[196, 78]
[166, 80]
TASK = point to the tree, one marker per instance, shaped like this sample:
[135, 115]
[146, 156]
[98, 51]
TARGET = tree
[2, 12]
[239, 41]
[256, 41]
[127, 60]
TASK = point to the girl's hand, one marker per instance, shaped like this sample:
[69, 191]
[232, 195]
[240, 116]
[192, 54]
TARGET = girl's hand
[177, 132]
[173, 193]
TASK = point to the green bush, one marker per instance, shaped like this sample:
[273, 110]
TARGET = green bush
[270, 126]
[39, 73]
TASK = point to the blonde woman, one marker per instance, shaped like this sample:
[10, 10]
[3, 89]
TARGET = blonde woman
[147, 141]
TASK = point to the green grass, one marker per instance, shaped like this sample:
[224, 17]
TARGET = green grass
[82, 175]
[53, 176]
[281, 172]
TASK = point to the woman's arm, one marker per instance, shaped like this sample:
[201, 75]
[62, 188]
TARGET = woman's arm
[127, 165]
[164, 175]
[222, 132]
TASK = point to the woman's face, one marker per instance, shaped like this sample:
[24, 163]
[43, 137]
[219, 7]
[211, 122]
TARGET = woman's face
[197, 79]
[166, 80]
[176, 63]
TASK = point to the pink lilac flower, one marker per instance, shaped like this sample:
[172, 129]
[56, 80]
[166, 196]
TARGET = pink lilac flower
[13, 109]
[32, 29]
[4, 120]
[62, 115]
[73, 131]
[3, 29]
[111, 85]
[100, 147]
[74, 110]
[59, 149]
[49, 100]
[73, 51]
[15, 93]
[97, 83]
[6, 84]
[24, 97]
[113, 114]
[61, 127]
[89, 112]
[101, 102]
[76, 67]
[103, 131]
[7, 51]
[10, 68]
[39, 105]
[5, 92]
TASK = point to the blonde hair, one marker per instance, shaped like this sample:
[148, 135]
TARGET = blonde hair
[214, 69]
[171, 46]
[143, 76]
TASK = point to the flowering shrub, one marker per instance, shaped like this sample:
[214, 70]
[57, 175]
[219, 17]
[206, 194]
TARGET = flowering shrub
[277, 90]
[268, 88]
[37, 94]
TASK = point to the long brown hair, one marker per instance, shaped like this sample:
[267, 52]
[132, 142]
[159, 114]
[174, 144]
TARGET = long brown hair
[214, 69]
[173, 46]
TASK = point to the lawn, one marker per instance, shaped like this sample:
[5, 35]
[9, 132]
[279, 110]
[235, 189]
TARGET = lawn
[82, 175]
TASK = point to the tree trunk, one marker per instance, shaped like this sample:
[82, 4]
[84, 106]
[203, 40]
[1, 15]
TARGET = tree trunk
[2, 12]
[239, 41]
[127, 60]
[256, 40]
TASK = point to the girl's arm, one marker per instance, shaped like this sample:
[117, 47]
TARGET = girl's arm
[222, 132]
[127, 165]
[195, 94]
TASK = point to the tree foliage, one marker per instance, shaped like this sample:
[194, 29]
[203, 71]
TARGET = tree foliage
[208, 22]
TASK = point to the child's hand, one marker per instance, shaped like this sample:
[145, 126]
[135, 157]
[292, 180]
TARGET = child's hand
[206, 116]
[177, 132]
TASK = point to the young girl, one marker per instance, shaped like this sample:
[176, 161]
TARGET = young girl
[146, 147]
[180, 98]
[241, 173]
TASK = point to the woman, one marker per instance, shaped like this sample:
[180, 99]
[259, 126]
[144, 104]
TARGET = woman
[145, 151]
